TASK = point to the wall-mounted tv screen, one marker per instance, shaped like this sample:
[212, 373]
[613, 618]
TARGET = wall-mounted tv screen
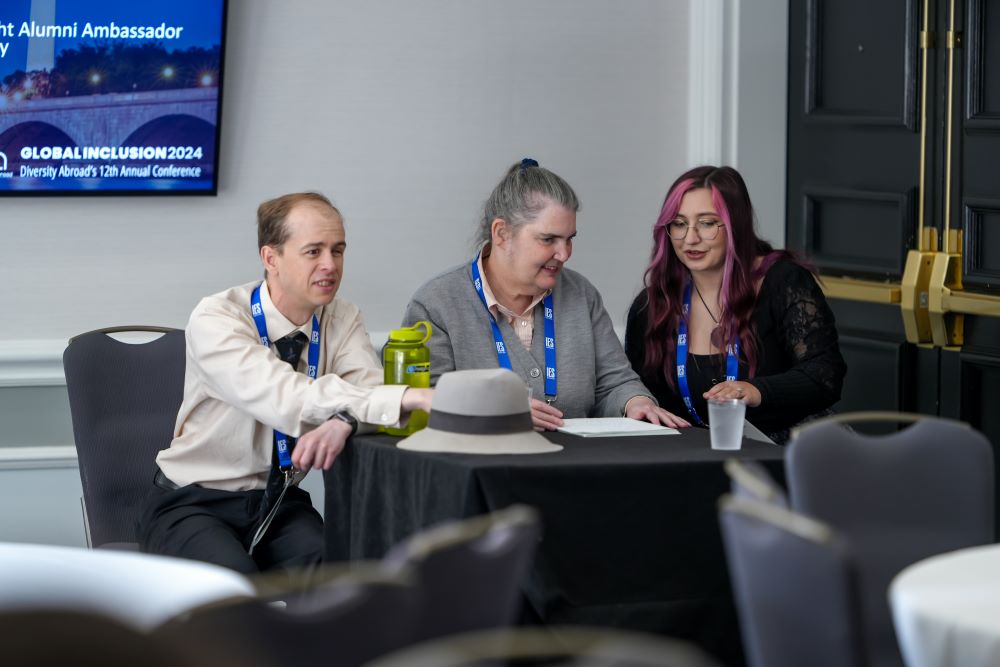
[110, 96]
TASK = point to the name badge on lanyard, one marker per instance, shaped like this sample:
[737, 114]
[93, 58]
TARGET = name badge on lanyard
[501, 349]
[732, 358]
[283, 443]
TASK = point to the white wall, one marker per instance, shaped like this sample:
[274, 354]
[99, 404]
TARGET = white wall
[737, 98]
[758, 82]
[406, 113]
[40, 493]
[40, 497]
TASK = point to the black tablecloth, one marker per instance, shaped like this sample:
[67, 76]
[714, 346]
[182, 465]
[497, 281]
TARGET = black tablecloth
[630, 530]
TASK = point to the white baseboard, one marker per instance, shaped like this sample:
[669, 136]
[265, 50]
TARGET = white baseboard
[38, 458]
[31, 363]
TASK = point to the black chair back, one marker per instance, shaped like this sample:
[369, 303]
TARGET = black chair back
[750, 479]
[60, 637]
[124, 399]
[470, 572]
[897, 498]
[348, 620]
[556, 645]
[796, 587]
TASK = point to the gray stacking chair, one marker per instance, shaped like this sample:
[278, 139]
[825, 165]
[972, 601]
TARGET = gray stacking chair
[751, 479]
[563, 646]
[60, 637]
[124, 399]
[471, 571]
[337, 615]
[796, 588]
[897, 499]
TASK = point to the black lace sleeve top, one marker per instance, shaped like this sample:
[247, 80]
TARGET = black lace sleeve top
[800, 371]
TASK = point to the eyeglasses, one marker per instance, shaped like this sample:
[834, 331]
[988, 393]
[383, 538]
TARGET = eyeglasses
[707, 229]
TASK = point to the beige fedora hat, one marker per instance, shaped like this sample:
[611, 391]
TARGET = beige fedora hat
[483, 411]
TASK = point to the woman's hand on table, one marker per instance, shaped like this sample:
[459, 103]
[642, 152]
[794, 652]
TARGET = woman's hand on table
[545, 417]
[642, 408]
[738, 389]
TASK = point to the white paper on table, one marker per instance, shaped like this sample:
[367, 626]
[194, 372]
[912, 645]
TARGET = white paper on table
[604, 427]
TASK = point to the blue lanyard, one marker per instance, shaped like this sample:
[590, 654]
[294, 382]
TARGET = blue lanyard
[281, 441]
[550, 336]
[732, 357]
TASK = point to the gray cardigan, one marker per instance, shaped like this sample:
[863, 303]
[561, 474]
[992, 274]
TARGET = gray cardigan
[595, 379]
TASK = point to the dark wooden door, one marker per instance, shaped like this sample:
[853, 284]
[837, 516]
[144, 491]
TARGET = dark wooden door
[894, 193]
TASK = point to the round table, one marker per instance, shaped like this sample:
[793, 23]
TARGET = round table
[137, 589]
[946, 609]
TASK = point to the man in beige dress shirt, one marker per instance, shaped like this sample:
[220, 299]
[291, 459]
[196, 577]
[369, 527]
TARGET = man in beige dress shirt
[209, 500]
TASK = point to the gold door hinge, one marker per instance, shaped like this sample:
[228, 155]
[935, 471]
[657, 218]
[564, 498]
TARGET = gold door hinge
[947, 328]
[915, 299]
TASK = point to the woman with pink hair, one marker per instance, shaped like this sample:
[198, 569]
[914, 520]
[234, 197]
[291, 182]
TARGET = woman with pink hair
[725, 315]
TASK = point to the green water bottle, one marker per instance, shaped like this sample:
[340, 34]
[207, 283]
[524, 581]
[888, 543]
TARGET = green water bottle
[407, 360]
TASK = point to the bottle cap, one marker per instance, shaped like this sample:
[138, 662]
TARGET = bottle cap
[412, 334]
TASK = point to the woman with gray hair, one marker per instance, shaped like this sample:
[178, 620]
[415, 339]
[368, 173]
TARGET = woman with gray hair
[516, 306]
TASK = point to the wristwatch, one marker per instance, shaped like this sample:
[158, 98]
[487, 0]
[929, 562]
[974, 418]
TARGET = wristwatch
[347, 418]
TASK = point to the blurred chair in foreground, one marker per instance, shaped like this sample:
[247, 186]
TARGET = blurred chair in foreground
[60, 638]
[470, 572]
[796, 588]
[124, 399]
[895, 498]
[750, 479]
[563, 646]
[333, 617]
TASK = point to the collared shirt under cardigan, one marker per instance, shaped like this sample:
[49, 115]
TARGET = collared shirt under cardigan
[237, 391]
[523, 323]
[595, 379]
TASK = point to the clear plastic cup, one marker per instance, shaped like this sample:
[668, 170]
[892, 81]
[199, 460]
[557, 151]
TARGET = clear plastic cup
[725, 421]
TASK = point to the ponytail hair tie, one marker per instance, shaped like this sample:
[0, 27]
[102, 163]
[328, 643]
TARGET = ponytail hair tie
[528, 162]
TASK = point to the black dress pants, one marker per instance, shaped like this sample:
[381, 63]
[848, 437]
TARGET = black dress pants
[217, 527]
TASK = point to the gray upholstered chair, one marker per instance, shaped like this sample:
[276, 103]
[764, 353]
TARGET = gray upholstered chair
[751, 479]
[471, 571]
[338, 615]
[124, 399]
[796, 587]
[55, 638]
[564, 646]
[896, 498]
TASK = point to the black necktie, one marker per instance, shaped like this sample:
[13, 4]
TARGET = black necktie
[290, 347]
[289, 350]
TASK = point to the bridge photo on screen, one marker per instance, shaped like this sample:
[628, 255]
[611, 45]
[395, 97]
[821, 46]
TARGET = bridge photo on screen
[110, 96]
